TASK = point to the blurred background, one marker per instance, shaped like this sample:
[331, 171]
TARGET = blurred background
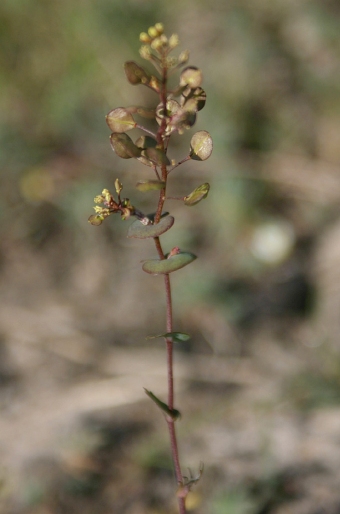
[259, 382]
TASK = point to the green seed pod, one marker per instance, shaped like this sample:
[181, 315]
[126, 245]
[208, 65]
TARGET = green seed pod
[191, 76]
[156, 156]
[95, 219]
[193, 99]
[201, 146]
[197, 195]
[136, 74]
[146, 142]
[120, 120]
[123, 146]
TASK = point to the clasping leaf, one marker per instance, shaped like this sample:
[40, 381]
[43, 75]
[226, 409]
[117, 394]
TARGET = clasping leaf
[172, 413]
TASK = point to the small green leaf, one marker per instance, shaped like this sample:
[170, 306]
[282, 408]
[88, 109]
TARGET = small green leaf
[201, 146]
[166, 266]
[177, 337]
[150, 185]
[120, 120]
[172, 413]
[140, 231]
[197, 195]
[156, 156]
[123, 146]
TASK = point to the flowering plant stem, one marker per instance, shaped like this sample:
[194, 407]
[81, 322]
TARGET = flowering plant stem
[169, 317]
[171, 423]
[172, 116]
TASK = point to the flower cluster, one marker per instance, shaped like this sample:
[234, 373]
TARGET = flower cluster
[111, 206]
[157, 46]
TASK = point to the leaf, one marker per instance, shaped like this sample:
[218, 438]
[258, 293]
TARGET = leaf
[177, 337]
[166, 266]
[120, 120]
[153, 215]
[149, 185]
[172, 413]
[123, 146]
[201, 146]
[140, 231]
[197, 195]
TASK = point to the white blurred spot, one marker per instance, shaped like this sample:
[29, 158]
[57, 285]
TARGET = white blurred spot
[273, 241]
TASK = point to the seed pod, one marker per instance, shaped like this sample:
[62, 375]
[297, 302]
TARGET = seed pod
[120, 120]
[197, 195]
[123, 146]
[201, 146]
[135, 73]
[191, 76]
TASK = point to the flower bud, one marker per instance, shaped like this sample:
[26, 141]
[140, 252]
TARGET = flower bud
[145, 52]
[144, 37]
[173, 41]
[183, 57]
[118, 186]
[159, 27]
[153, 32]
[157, 44]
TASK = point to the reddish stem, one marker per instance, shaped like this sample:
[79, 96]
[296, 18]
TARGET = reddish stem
[169, 352]
[171, 423]
[169, 317]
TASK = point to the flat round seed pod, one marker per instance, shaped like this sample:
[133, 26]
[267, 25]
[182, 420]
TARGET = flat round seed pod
[197, 195]
[120, 120]
[201, 146]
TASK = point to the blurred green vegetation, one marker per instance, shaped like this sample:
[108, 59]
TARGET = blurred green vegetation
[271, 73]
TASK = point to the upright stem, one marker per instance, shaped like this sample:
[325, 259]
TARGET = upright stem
[169, 354]
[170, 421]
[169, 317]
[169, 344]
